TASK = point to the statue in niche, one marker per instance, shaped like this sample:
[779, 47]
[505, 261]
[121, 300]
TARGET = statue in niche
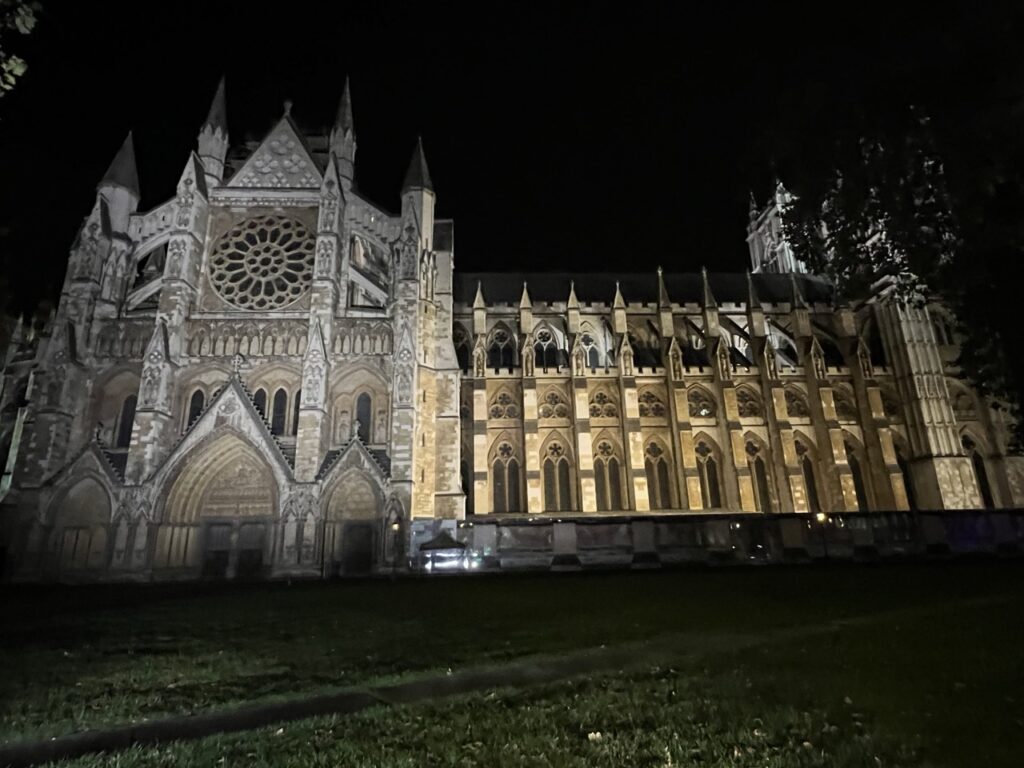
[382, 425]
[724, 368]
[344, 426]
[354, 434]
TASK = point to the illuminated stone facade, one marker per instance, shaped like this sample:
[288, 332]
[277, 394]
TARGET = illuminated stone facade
[270, 375]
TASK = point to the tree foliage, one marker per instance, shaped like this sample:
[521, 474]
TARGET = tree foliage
[888, 209]
[16, 18]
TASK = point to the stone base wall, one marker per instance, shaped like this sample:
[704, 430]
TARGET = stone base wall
[539, 543]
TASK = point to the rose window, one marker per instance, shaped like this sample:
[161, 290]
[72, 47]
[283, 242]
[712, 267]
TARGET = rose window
[263, 263]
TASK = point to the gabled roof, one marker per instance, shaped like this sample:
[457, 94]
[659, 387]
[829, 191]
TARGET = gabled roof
[231, 407]
[282, 161]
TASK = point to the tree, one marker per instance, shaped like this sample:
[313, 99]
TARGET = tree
[887, 209]
[17, 17]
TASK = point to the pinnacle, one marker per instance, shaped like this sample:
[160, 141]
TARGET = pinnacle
[418, 176]
[709, 298]
[218, 115]
[344, 119]
[122, 171]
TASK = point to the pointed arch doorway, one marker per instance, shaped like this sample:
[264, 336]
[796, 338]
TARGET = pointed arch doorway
[222, 507]
[353, 528]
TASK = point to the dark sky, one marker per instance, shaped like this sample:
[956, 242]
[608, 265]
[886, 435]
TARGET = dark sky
[562, 136]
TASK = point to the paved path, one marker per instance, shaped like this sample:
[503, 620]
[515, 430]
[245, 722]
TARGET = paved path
[520, 673]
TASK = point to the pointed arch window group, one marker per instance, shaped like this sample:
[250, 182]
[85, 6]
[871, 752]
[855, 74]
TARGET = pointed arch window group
[505, 479]
[659, 485]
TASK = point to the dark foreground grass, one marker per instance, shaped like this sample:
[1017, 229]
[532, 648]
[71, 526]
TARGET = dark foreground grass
[921, 688]
[92, 656]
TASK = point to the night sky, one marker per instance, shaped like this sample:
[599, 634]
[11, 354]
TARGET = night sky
[559, 136]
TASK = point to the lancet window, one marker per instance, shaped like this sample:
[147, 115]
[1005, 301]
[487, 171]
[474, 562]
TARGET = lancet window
[707, 469]
[759, 474]
[505, 483]
[501, 349]
[558, 492]
[195, 406]
[608, 477]
[125, 420]
[810, 477]
[545, 349]
[659, 486]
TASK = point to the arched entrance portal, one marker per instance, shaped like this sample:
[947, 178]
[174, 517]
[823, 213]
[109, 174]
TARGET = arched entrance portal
[353, 530]
[80, 529]
[222, 506]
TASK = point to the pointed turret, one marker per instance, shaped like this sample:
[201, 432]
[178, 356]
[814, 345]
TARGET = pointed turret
[572, 306]
[524, 301]
[664, 308]
[755, 314]
[753, 302]
[573, 302]
[418, 176]
[343, 138]
[618, 311]
[120, 186]
[708, 298]
[122, 171]
[213, 138]
[801, 325]
[479, 312]
[752, 210]
[798, 297]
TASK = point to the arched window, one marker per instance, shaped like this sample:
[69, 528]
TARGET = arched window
[807, 469]
[501, 349]
[980, 472]
[590, 349]
[659, 487]
[505, 479]
[796, 405]
[503, 406]
[759, 474]
[602, 406]
[364, 411]
[195, 406]
[545, 350]
[260, 401]
[557, 480]
[608, 476]
[748, 403]
[280, 412]
[553, 406]
[707, 468]
[858, 477]
[295, 412]
[125, 421]
[463, 350]
[846, 410]
[651, 404]
[702, 405]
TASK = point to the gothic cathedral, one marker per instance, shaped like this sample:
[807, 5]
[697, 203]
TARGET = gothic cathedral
[270, 375]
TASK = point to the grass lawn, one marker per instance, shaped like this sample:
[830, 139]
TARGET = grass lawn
[931, 680]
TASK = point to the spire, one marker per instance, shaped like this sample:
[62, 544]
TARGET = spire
[619, 302]
[753, 206]
[418, 177]
[798, 298]
[753, 302]
[122, 171]
[524, 301]
[573, 302]
[343, 138]
[663, 299]
[217, 119]
[343, 122]
[709, 299]
[478, 301]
